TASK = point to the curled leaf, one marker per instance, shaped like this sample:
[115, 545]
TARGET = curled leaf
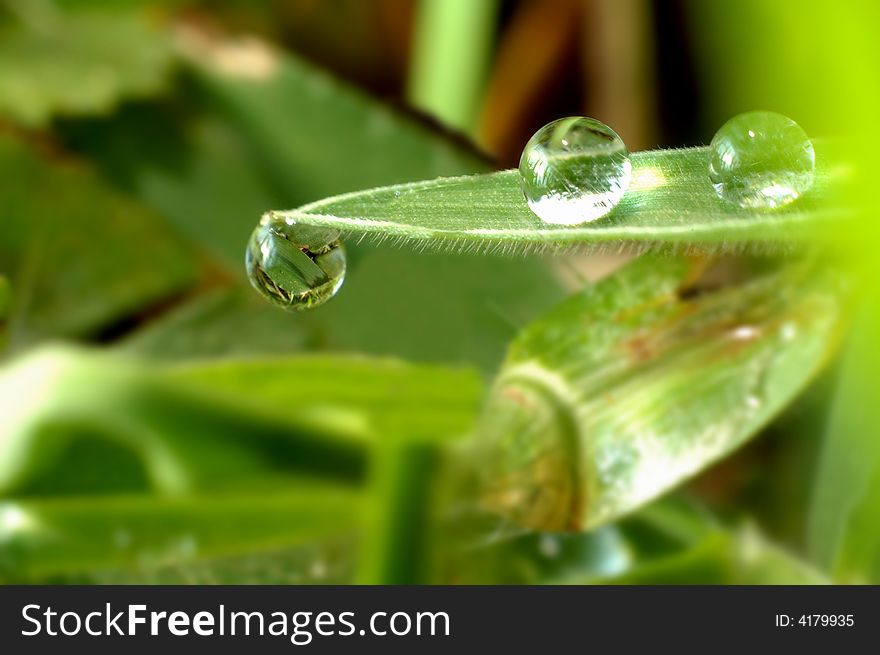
[637, 384]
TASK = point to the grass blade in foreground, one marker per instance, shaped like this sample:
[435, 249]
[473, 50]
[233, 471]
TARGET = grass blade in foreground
[670, 200]
[637, 384]
[44, 538]
[212, 425]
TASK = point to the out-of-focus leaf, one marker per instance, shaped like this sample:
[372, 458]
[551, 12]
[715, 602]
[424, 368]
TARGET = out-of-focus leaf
[437, 308]
[45, 539]
[70, 415]
[475, 323]
[81, 61]
[193, 168]
[771, 479]
[844, 533]
[642, 381]
[416, 316]
[670, 200]
[314, 135]
[95, 428]
[224, 323]
[80, 257]
[394, 400]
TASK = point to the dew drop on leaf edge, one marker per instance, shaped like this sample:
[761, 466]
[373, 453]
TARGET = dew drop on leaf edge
[295, 266]
[761, 160]
[574, 170]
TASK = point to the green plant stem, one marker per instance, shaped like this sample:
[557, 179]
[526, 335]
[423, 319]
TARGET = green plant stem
[451, 49]
[397, 528]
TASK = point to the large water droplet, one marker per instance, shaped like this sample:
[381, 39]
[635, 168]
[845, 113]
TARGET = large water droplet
[295, 266]
[574, 170]
[761, 160]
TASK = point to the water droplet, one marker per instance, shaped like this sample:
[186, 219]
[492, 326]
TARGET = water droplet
[549, 546]
[761, 160]
[295, 266]
[574, 170]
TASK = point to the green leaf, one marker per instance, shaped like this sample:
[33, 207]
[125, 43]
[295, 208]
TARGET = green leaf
[633, 386]
[395, 399]
[89, 422]
[193, 168]
[45, 539]
[232, 323]
[76, 271]
[844, 535]
[81, 61]
[436, 307]
[669, 201]
[313, 135]
[97, 428]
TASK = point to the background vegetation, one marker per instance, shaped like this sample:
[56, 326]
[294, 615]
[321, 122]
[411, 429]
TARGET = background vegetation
[455, 415]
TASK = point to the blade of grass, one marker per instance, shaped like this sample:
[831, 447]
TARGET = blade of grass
[397, 517]
[398, 400]
[41, 539]
[669, 201]
[216, 425]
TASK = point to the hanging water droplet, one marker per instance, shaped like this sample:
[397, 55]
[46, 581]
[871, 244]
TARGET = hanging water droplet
[295, 266]
[574, 170]
[761, 160]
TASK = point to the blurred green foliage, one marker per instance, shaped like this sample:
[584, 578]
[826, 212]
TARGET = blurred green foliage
[55, 62]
